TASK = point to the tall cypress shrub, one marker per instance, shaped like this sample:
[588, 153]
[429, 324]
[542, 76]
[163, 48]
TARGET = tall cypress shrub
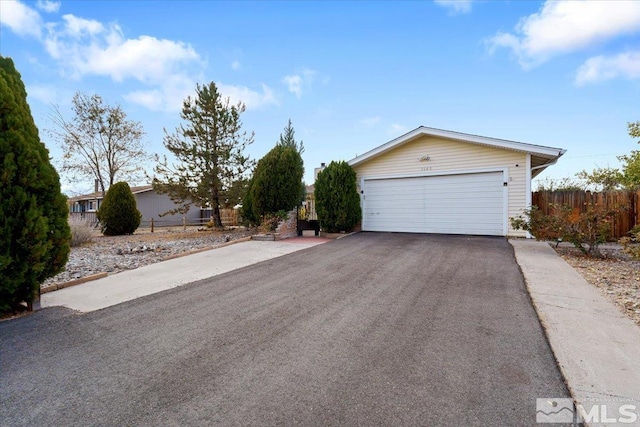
[119, 212]
[337, 199]
[276, 180]
[34, 233]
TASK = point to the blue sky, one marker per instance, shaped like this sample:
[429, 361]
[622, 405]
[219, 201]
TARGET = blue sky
[351, 75]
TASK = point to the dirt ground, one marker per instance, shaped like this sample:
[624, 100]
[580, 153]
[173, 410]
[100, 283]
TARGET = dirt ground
[616, 276]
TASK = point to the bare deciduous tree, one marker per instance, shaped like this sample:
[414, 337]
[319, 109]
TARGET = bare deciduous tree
[99, 142]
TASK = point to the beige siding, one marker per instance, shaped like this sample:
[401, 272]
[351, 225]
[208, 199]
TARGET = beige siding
[449, 155]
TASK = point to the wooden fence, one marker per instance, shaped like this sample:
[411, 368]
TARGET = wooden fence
[627, 201]
[229, 217]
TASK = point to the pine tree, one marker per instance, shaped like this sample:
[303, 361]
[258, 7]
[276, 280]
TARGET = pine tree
[119, 213]
[288, 139]
[34, 232]
[209, 149]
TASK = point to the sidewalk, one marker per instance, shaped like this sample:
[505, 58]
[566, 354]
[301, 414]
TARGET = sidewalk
[164, 275]
[596, 346]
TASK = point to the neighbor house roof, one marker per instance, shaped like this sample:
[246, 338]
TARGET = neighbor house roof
[542, 154]
[98, 194]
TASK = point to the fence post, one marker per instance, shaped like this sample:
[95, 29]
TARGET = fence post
[152, 224]
[184, 223]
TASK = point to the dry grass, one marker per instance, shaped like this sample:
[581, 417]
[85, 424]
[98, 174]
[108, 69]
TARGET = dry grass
[81, 231]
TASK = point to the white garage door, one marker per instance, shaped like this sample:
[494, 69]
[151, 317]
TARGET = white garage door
[451, 204]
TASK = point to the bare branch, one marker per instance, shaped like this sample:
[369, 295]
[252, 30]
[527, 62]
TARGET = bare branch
[99, 142]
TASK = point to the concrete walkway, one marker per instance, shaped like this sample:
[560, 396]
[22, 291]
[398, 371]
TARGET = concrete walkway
[161, 276]
[596, 346]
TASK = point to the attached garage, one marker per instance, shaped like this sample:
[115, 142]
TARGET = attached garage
[436, 181]
[471, 203]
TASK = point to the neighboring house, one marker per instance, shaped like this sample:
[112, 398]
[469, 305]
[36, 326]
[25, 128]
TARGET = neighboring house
[438, 181]
[150, 204]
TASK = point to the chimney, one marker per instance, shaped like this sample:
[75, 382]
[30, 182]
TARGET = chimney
[316, 171]
[95, 186]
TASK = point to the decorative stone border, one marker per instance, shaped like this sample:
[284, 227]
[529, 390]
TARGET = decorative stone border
[58, 286]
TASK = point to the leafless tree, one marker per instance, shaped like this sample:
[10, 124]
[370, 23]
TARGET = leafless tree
[99, 142]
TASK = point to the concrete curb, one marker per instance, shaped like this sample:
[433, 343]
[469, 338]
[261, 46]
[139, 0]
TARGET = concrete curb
[58, 286]
[597, 348]
[74, 282]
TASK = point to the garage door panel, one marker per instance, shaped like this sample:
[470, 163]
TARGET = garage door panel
[455, 204]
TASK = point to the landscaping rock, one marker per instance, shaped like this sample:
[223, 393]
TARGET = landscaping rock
[615, 275]
[112, 254]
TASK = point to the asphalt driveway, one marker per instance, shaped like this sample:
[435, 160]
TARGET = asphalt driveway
[372, 329]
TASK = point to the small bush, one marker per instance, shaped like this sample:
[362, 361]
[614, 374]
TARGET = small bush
[337, 199]
[586, 229]
[270, 221]
[81, 231]
[631, 244]
[119, 214]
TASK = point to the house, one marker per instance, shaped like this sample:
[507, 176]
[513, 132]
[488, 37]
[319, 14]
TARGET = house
[439, 181]
[149, 202]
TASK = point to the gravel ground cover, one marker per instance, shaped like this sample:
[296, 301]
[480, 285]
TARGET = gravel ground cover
[616, 276]
[113, 254]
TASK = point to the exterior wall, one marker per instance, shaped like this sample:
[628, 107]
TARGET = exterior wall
[449, 155]
[151, 205]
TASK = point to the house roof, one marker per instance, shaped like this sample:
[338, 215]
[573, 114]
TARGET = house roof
[98, 194]
[543, 155]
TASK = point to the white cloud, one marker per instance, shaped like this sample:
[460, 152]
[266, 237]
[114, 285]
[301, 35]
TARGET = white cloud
[252, 99]
[370, 121]
[396, 129]
[79, 27]
[167, 96]
[566, 26]
[171, 95]
[602, 68]
[235, 65]
[455, 6]
[48, 6]
[45, 94]
[294, 84]
[21, 19]
[152, 99]
[167, 69]
[299, 82]
[86, 47]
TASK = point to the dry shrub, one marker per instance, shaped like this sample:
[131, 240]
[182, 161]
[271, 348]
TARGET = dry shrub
[81, 231]
[631, 244]
[586, 229]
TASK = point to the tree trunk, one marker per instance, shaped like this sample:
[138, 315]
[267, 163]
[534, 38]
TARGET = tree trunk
[215, 216]
[215, 209]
